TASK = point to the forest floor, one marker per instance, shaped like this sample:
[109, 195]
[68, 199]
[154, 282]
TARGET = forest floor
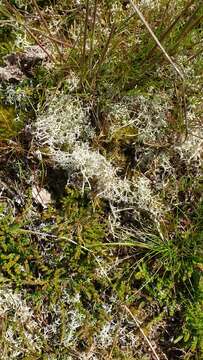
[101, 211]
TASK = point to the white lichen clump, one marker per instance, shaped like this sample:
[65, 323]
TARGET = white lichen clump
[66, 315]
[149, 3]
[25, 333]
[145, 198]
[65, 128]
[12, 302]
[147, 115]
[92, 165]
[192, 148]
[15, 95]
[19, 317]
[72, 81]
[63, 124]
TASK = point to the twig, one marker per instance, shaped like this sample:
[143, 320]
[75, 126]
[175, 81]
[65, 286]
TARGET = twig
[105, 50]
[156, 39]
[65, 43]
[85, 33]
[21, 21]
[192, 57]
[46, 27]
[38, 43]
[142, 332]
[171, 26]
[195, 135]
[93, 33]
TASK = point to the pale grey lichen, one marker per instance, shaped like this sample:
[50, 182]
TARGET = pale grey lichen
[25, 333]
[147, 114]
[18, 318]
[63, 124]
[192, 148]
[92, 165]
[66, 129]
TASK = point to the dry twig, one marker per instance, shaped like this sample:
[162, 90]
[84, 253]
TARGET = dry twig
[142, 332]
[156, 39]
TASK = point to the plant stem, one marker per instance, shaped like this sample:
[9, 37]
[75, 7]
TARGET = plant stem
[170, 28]
[47, 28]
[85, 35]
[156, 39]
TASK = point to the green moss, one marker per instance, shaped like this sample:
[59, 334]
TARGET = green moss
[8, 124]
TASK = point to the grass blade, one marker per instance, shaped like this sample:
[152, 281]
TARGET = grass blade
[156, 40]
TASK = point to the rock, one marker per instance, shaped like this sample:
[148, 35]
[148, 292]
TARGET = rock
[19, 65]
[11, 72]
